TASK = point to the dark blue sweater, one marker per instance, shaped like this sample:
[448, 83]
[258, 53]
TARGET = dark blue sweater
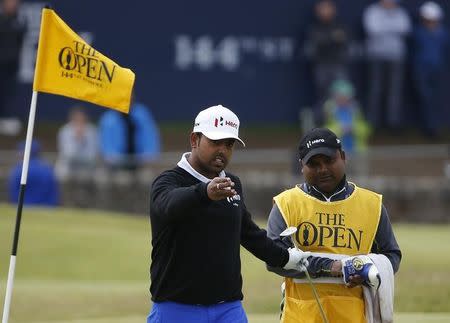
[196, 241]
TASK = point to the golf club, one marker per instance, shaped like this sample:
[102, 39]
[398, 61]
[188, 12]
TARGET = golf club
[289, 232]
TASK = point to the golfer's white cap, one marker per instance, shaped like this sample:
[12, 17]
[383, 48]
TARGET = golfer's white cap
[431, 10]
[218, 122]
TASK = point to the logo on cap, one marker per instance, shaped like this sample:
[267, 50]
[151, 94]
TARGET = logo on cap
[231, 124]
[218, 122]
[315, 141]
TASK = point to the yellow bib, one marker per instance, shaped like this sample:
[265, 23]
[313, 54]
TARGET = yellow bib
[342, 227]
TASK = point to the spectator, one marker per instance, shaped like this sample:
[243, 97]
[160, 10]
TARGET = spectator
[42, 187]
[430, 43]
[128, 141]
[77, 145]
[386, 25]
[11, 37]
[327, 45]
[345, 119]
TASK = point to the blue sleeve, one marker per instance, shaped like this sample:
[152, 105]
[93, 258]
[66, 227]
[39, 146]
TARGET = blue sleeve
[154, 142]
[149, 141]
[276, 225]
[110, 135]
[385, 242]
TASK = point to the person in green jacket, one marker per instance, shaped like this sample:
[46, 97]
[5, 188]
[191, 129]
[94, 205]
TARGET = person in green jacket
[344, 117]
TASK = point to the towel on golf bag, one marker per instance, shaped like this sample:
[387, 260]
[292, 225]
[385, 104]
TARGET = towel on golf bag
[379, 304]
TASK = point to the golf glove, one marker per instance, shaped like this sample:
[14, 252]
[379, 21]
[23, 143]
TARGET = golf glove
[298, 259]
[363, 266]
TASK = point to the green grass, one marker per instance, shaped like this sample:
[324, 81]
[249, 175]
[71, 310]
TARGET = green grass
[92, 267]
[423, 281]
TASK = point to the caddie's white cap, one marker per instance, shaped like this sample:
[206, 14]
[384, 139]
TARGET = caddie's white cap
[218, 122]
[431, 10]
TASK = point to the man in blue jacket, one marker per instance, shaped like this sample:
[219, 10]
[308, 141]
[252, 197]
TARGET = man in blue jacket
[128, 141]
[430, 50]
[42, 187]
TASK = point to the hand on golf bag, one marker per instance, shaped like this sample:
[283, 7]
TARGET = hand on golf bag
[364, 267]
[298, 259]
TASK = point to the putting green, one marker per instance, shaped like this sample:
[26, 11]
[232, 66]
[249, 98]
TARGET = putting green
[92, 267]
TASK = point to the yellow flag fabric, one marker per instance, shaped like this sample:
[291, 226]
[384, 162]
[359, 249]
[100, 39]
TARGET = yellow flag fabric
[66, 65]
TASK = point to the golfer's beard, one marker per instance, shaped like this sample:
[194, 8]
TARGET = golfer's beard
[219, 159]
[210, 170]
[214, 165]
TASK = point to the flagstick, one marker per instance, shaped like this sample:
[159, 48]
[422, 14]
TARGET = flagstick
[23, 182]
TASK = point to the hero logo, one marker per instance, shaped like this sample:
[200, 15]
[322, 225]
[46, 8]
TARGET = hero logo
[231, 124]
[218, 122]
[315, 141]
[234, 199]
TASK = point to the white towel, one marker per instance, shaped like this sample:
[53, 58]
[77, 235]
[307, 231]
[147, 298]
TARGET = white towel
[379, 305]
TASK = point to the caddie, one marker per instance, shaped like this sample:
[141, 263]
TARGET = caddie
[199, 220]
[347, 230]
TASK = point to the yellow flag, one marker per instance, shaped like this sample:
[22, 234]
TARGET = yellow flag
[67, 65]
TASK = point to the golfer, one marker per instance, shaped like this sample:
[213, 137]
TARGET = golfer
[199, 220]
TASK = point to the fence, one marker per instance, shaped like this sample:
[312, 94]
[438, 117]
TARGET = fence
[414, 180]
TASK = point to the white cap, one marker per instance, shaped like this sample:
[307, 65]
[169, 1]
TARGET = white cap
[218, 122]
[431, 10]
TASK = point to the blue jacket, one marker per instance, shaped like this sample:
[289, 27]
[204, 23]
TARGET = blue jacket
[430, 46]
[41, 188]
[113, 134]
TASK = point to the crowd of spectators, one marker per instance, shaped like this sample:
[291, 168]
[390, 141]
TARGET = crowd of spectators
[396, 44]
[127, 141]
[121, 142]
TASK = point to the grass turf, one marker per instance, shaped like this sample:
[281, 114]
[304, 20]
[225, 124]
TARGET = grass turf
[92, 267]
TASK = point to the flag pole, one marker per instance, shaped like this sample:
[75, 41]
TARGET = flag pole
[23, 182]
